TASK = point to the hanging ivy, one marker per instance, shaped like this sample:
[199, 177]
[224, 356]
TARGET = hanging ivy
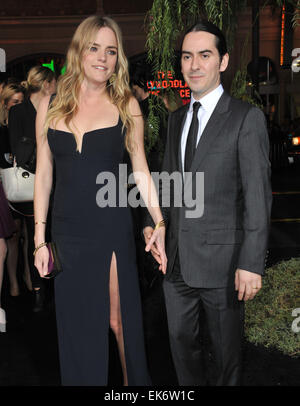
[224, 13]
[168, 19]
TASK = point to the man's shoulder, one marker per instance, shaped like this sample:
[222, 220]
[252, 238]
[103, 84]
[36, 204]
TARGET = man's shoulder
[246, 113]
[242, 105]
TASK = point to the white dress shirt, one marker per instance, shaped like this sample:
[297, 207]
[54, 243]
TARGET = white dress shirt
[208, 104]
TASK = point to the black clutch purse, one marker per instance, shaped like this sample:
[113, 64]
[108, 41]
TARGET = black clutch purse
[54, 266]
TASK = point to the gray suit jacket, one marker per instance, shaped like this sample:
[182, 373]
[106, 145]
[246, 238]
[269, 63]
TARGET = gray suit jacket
[233, 154]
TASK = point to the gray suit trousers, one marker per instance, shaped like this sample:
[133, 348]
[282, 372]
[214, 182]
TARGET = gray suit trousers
[224, 317]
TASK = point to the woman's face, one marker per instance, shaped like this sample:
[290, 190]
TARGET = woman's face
[99, 61]
[50, 87]
[17, 98]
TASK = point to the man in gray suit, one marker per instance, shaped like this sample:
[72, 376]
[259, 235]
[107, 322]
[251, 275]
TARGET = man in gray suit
[215, 261]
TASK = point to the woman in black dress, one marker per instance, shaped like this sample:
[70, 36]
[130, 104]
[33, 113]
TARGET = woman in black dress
[91, 120]
[12, 94]
[40, 82]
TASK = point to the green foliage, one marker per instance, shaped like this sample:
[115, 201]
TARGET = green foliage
[239, 85]
[166, 20]
[157, 117]
[268, 318]
[224, 14]
[296, 16]
[240, 89]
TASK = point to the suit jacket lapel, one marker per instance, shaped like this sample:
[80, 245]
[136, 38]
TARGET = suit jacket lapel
[211, 131]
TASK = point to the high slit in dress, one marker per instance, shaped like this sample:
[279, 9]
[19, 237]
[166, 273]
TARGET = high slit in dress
[87, 236]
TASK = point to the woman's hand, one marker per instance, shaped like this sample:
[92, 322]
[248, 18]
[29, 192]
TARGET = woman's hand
[155, 242]
[41, 261]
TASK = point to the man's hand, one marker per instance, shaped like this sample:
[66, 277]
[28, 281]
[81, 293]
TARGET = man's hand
[247, 284]
[154, 241]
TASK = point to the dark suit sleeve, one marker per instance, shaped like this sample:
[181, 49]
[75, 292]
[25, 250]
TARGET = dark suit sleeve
[15, 128]
[255, 170]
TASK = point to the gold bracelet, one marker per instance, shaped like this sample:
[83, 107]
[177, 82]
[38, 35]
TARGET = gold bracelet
[40, 222]
[38, 247]
[160, 224]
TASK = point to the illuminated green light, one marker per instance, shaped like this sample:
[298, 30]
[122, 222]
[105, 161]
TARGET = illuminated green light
[50, 65]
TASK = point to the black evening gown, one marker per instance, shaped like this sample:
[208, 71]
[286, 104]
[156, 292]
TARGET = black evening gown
[87, 236]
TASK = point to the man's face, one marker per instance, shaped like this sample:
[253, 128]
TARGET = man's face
[200, 63]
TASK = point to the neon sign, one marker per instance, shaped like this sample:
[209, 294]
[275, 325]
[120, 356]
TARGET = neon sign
[165, 80]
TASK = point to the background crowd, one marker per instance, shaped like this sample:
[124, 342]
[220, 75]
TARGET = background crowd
[18, 104]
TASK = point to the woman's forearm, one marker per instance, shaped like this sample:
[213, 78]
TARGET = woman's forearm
[149, 194]
[42, 190]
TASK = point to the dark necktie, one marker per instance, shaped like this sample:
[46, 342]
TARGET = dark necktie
[192, 138]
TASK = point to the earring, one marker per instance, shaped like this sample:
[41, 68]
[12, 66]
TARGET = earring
[112, 78]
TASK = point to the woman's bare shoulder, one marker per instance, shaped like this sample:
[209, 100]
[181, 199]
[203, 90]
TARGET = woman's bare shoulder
[134, 107]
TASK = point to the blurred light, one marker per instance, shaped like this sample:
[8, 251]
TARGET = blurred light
[49, 65]
[296, 62]
[296, 141]
[52, 67]
[282, 35]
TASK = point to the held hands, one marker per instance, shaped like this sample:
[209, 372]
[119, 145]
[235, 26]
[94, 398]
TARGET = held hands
[41, 261]
[155, 242]
[247, 284]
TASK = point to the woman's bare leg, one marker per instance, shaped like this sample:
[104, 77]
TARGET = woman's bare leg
[12, 259]
[115, 314]
[3, 251]
[26, 274]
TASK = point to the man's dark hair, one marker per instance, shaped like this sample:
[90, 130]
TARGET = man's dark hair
[207, 26]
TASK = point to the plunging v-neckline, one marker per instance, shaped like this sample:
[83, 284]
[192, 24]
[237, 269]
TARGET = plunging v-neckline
[87, 132]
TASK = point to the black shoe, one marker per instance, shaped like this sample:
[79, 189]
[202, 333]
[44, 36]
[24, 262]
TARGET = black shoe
[39, 300]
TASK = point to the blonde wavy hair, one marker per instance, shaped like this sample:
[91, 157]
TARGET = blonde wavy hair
[7, 93]
[36, 77]
[65, 104]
